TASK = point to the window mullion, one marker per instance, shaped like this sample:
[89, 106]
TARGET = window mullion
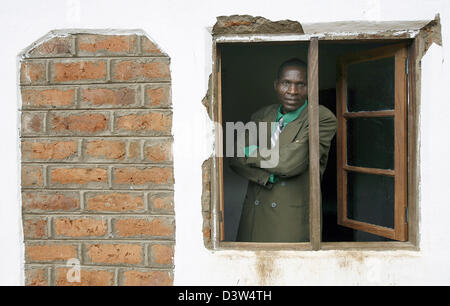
[314, 166]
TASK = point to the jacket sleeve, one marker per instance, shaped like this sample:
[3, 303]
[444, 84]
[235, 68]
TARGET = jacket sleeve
[294, 157]
[239, 164]
[256, 175]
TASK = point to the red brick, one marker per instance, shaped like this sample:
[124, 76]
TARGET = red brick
[33, 73]
[133, 150]
[206, 226]
[161, 254]
[161, 202]
[115, 202]
[50, 201]
[80, 176]
[80, 227]
[32, 123]
[143, 176]
[158, 151]
[148, 47]
[32, 176]
[35, 227]
[145, 70]
[50, 252]
[81, 123]
[78, 71]
[148, 123]
[157, 96]
[48, 150]
[151, 278]
[88, 277]
[49, 97]
[144, 227]
[108, 96]
[54, 47]
[36, 277]
[107, 253]
[105, 150]
[95, 45]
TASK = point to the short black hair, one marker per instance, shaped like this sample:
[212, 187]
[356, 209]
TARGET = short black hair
[292, 62]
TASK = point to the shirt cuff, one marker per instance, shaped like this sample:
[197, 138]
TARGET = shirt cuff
[249, 150]
[273, 178]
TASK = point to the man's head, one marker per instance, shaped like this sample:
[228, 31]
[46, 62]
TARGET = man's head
[291, 84]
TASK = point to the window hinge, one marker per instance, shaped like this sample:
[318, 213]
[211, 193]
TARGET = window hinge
[220, 216]
[406, 214]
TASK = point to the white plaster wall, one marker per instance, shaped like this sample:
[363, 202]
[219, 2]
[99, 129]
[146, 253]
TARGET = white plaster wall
[180, 28]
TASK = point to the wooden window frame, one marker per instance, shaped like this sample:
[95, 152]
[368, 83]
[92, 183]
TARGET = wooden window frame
[315, 243]
[398, 51]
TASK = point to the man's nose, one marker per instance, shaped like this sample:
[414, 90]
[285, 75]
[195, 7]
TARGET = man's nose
[292, 89]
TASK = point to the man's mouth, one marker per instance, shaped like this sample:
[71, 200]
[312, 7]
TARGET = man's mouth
[291, 100]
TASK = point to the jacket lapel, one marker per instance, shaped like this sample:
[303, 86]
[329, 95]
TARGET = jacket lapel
[289, 133]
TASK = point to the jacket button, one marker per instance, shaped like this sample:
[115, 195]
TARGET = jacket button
[256, 202]
[274, 204]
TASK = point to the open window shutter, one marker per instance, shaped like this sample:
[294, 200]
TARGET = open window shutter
[372, 141]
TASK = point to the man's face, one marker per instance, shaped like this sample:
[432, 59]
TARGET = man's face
[292, 88]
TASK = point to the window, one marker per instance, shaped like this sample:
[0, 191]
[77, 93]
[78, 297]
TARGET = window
[367, 195]
[371, 105]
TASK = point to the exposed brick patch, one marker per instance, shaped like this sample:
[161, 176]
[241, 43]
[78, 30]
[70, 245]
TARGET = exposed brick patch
[96, 177]
[161, 255]
[159, 151]
[48, 150]
[114, 202]
[85, 123]
[108, 253]
[108, 97]
[50, 201]
[161, 202]
[92, 45]
[50, 252]
[157, 95]
[36, 277]
[32, 176]
[206, 201]
[150, 278]
[83, 71]
[142, 70]
[32, 123]
[88, 277]
[159, 227]
[54, 47]
[144, 123]
[33, 73]
[35, 227]
[143, 176]
[48, 97]
[80, 227]
[105, 149]
[97, 165]
[148, 47]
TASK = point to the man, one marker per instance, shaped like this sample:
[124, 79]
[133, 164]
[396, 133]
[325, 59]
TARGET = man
[276, 206]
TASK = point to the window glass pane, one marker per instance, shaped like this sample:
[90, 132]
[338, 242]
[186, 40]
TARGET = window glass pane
[370, 85]
[370, 142]
[370, 198]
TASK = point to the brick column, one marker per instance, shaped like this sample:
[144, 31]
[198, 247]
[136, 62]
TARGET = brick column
[97, 168]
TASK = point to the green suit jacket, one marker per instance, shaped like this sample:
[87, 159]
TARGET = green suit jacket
[280, 212]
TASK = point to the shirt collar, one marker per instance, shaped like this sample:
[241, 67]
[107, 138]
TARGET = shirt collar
[291, 116]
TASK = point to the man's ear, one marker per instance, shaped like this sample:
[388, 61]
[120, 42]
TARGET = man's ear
[275, 84]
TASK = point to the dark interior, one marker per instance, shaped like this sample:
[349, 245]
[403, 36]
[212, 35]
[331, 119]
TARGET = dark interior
[248, 73]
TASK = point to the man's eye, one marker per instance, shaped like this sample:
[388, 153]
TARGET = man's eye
[285, 83]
